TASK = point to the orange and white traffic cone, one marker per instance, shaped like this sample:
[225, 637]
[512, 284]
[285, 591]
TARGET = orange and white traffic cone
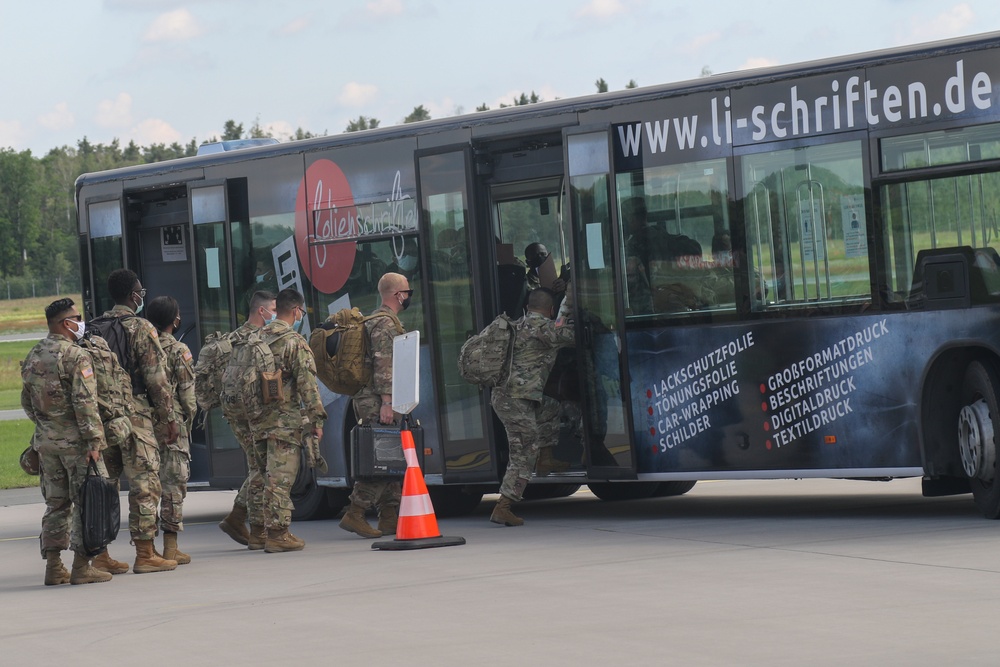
[417, 527]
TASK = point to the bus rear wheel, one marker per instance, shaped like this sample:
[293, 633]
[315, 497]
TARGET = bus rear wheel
[978, 432]
[670, 489]
[623, 490]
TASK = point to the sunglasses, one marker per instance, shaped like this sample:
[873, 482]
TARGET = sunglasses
[78, 318]
[407, 292]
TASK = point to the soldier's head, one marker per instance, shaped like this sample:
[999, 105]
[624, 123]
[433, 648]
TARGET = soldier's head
[165, 314]
[63, 318]
[394, 288]
[262, 308]
[542, 301]
[290, 305]
[126, 290]
[535, 255]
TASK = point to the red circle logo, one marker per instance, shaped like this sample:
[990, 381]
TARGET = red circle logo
[325, 212]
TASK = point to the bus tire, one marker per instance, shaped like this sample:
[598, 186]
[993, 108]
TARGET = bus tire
[978, 435]
[612, 491]
[669, 489]
[451, 501]
[549, 491]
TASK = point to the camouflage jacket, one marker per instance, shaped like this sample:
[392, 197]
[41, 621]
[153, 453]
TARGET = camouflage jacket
[302, 404]
[381, 331]
[59, 394]
[149, 356]
[535, 347]
[180, 375]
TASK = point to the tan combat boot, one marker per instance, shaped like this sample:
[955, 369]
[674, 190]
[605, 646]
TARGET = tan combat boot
[257, 539]
[280, 540]
[170, 550]
[146, 560]
[105, 563]
[55, 572]
[503, 515]
[235, 525]
[548, 463]
[354, 522]
[388, 517]
[84, 572]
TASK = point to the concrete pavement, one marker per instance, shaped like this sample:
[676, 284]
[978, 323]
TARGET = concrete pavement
[813, 572]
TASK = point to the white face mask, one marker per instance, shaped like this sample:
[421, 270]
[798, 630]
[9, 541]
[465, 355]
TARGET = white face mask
[408, 262]
[79, 329]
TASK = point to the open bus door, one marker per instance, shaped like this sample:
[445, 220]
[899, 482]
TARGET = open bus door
[596, 290]
[454, 311]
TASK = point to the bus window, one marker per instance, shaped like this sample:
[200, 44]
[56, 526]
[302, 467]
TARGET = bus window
[676, 241]
[956, 211]
[806, 225]
[106, 247]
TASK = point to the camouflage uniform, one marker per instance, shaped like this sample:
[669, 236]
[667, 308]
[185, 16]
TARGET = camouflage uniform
[278, 430]
[253, 486]
[59, 394]
[141, 455]
[368, 403]
[175, 459]
[531, 419]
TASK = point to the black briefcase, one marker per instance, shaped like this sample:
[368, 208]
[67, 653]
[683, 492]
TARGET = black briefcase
[100, 511]
[377, 451]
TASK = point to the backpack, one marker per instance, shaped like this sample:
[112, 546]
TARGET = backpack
[116, 336]
[340, 348]
[212, 361]
[485, 359]
[114, 389]
[251, 379]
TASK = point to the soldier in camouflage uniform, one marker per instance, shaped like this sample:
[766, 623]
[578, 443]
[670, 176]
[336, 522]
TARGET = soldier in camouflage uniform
[279, 430]
[262, 311]
[175, 458]
[141, 454]
[59, 395]
[531, 418]
[373, 404]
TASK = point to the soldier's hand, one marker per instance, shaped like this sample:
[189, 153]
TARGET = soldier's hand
[172, 432]
[93, 455]
[385, 414]
[318, 433]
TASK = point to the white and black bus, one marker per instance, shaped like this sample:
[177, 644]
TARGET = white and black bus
[783, 273]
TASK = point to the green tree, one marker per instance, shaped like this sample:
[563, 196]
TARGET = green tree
[419, 113]
[706, 71]
[19, 210]
[602, 85]
[483, 107]
[231, 131]
[631, 84]
[362, 123]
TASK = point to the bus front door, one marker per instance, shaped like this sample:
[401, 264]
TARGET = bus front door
[453, 314]
[596, 289]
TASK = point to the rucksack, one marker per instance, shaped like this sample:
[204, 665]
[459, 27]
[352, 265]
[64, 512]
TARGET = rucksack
[116, 336]
[485, 359]
[212, 361]
[251, 379]
[114, 389]
[340, 348]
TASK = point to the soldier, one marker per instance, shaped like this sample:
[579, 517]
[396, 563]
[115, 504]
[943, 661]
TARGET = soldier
[262, 311]
[374, 403]
[59, 395]
[279, 431]
[150, 391]
[531, 418]
[175, 458]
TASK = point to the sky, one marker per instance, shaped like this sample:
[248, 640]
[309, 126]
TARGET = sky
[164, 71]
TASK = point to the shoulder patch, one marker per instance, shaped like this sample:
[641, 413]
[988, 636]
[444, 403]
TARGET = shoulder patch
[87, 372]
[154, 333]
[187, 355]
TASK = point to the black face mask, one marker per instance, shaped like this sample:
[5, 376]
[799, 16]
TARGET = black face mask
[536, 261]
[406, 303]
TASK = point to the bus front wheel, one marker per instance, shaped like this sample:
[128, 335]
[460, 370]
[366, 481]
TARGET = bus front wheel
[623, 490]
[978, 433]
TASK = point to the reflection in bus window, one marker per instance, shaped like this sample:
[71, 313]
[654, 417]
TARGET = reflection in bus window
[677, 248]
[807, 234]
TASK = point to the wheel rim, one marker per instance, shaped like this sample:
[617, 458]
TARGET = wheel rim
[975, 441]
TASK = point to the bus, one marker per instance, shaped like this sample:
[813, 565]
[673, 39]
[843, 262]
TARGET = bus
[789, 272]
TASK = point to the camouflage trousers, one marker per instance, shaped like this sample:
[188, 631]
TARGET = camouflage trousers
[253, 485]
[530, 426]
[175, 471]
[63, 470]
[374, 492]
[278, 463]
[141, 463]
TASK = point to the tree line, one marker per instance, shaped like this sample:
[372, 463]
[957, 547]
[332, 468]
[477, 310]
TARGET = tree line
[37, 209]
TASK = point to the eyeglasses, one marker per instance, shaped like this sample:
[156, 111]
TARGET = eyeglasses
[407, 292]
[78, 318]
[140, 292]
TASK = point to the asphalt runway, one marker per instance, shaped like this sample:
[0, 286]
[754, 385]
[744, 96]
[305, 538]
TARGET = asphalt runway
[807, 572]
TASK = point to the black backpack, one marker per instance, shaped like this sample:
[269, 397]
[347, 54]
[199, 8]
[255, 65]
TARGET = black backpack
[116, 336]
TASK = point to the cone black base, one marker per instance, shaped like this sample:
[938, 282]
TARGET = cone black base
[421, 543]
